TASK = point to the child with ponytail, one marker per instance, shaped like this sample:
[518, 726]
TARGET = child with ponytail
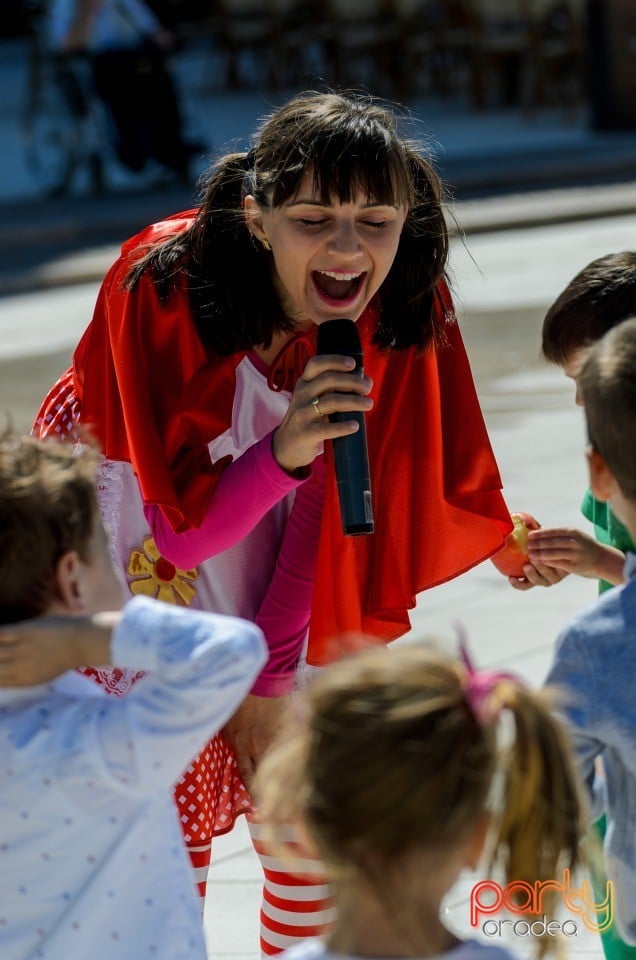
[395, 778]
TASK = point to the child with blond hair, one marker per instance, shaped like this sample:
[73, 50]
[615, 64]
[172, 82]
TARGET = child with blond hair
[389, 774]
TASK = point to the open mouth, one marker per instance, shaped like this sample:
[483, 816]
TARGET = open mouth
[337, 287]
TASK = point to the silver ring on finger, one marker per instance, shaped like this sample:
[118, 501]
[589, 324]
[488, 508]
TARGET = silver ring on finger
[316, 404]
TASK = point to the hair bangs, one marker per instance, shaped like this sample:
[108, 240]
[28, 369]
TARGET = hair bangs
[347, 164]
[380, 178]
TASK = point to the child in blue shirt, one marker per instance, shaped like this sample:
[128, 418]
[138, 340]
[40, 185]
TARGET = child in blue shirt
[598, 298]
[595, 659]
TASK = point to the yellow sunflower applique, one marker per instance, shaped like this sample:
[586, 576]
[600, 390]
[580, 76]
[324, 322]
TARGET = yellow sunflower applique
[154, 576]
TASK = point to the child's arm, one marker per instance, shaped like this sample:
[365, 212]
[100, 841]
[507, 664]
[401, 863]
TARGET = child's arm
[572, 551]
[36, 651]
[199, 667]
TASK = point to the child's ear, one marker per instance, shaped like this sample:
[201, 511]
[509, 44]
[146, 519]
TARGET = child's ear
[69, 590]
[602, 482]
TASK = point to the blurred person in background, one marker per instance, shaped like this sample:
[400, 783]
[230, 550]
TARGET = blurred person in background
[127, 48]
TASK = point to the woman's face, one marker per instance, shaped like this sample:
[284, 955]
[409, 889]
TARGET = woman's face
[328, 260]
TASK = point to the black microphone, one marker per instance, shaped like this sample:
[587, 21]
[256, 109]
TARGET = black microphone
[350, 453]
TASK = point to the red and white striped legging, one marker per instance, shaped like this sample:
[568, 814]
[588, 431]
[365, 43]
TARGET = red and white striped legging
[294, 906]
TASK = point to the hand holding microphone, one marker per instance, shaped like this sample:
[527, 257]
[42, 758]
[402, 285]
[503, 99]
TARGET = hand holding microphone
[333, 385]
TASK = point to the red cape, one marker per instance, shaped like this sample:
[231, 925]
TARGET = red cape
[155, 397]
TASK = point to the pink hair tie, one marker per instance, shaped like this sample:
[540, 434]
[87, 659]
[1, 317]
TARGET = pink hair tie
[480, 684]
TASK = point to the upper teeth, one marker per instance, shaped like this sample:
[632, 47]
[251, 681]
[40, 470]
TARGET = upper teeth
[341, 276]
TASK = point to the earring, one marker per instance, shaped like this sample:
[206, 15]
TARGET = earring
[266, 244]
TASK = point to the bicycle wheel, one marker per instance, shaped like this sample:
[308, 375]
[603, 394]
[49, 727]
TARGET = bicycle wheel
[51, 140]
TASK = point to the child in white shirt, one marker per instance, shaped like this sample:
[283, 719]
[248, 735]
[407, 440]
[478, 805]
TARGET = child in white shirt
[91, 851]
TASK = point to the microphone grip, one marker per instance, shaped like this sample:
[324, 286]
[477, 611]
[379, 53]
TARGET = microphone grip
[352, 470]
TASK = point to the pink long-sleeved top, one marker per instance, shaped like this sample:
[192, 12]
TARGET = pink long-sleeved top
[254, 554]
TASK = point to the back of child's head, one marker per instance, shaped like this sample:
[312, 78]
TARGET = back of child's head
[599, 297]
[608, 387]
[394, 754]
[48, 507]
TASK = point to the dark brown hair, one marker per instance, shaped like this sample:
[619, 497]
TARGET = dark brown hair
[608, 387]
[351, 144]
[48, 507]
[600, 296]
